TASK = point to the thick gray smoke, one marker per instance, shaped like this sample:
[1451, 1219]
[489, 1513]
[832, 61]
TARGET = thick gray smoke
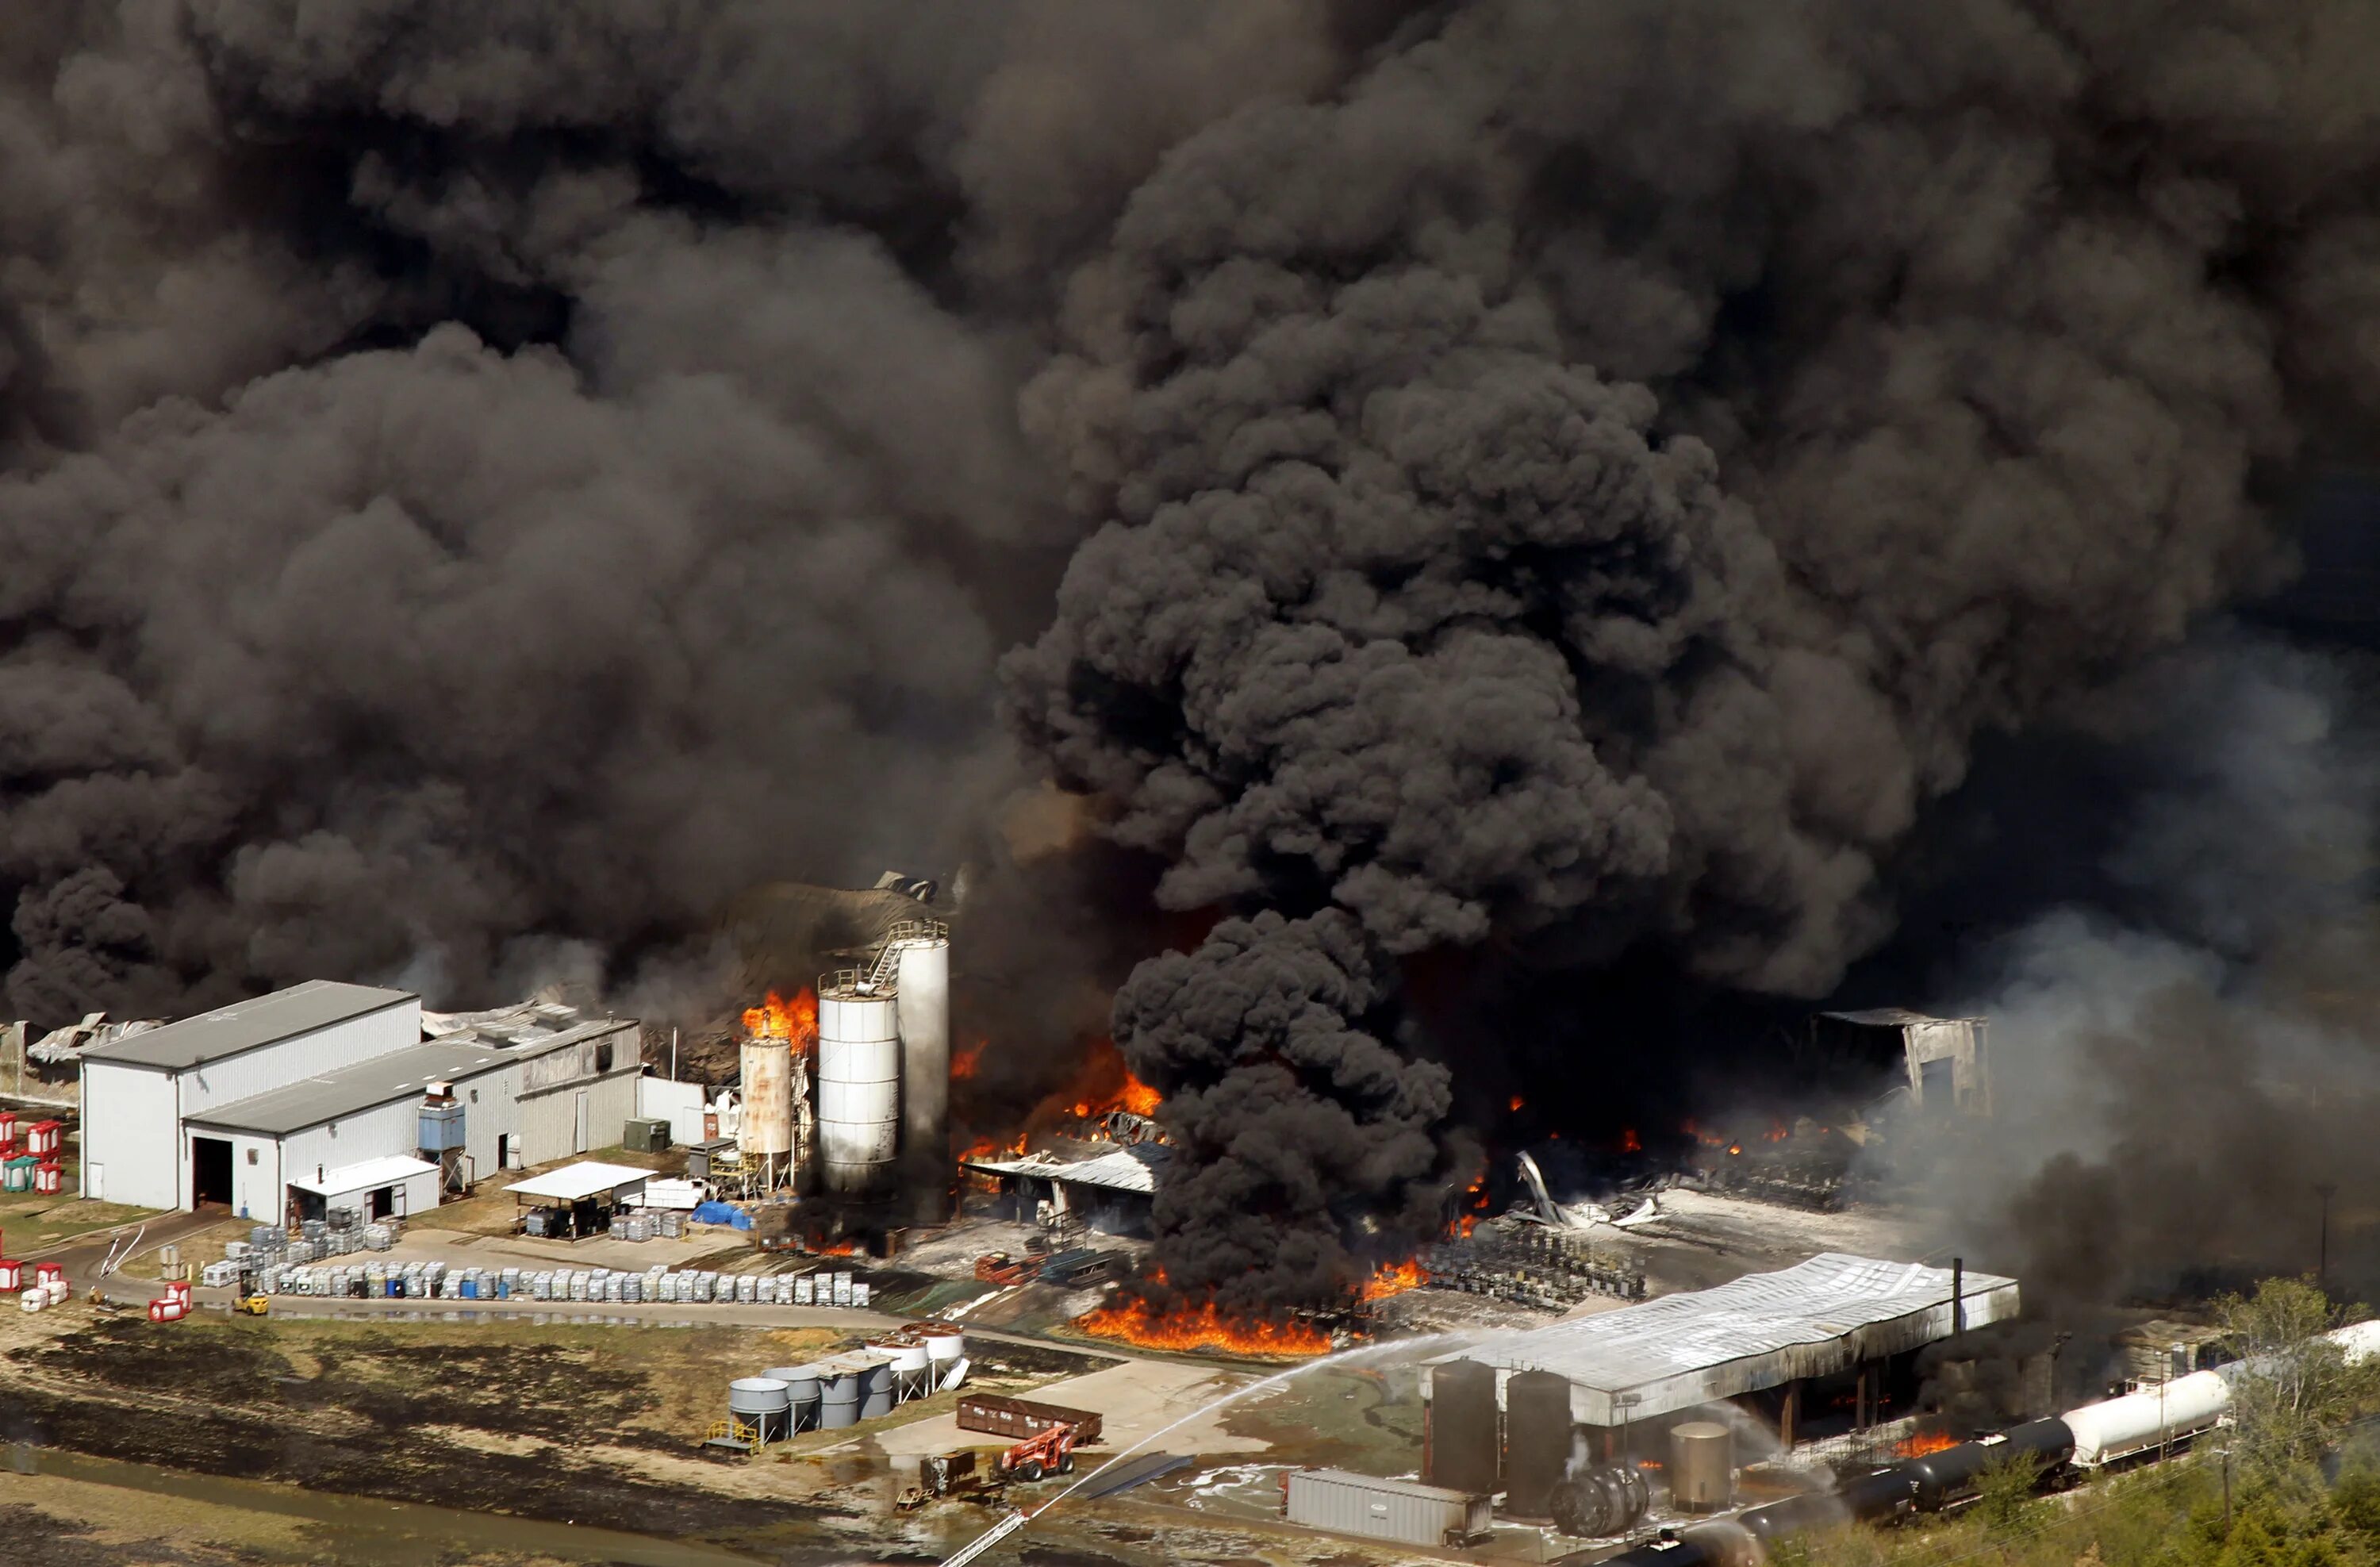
[482, 482]
[1600, 472]
[2172, 1088]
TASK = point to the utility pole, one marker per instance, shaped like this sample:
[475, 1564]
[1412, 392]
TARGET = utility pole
[2326, 1190]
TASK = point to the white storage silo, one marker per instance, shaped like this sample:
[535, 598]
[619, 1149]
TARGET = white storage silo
[924, 1007]
[859, 1085]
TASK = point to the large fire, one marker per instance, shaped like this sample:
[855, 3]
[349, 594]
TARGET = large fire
[1924, 1442]
[1204, 1329]
[1395, 1279]
[778, 1018]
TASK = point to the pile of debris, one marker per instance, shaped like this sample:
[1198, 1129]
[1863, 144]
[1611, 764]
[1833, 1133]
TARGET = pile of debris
[1531, 1265]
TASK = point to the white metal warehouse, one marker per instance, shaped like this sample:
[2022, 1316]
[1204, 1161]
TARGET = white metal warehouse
[1830, 1314]
[282, 1105]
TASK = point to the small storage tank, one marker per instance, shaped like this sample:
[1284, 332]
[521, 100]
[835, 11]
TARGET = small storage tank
[1537, 1440]
[802, 1388]
[876, 1391]
[1458, 1444]
[763, 1404]
[859, 1086]
[839, 1401]
[1702, 1466]
[912, 1376]
[765, 1134]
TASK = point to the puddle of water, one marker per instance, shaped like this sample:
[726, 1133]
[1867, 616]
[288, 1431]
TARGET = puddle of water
[399, 1534]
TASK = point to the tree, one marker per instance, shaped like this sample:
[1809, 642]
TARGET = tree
[2295, 1390]
[2004, 1493]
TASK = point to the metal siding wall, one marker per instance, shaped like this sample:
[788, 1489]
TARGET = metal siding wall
[1349, 1509]
[391, 1128]
[549, 1120]
[611, 1105]
[129, 1130]
[256, 1188]
[289, 1061]
[549, 1124]
[496, 1114]
[679, 1103]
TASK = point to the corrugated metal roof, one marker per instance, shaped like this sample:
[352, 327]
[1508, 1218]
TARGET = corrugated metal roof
[386, 1170]
[1763, 1330]
[1892, 1017]
[243, 1025]
[352, 1089]
[1123, 1170]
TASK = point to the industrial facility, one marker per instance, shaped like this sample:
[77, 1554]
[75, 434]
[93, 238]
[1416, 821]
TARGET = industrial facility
[329, 1095]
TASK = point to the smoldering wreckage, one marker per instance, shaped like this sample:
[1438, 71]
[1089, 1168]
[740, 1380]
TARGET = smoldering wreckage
[1553, 568]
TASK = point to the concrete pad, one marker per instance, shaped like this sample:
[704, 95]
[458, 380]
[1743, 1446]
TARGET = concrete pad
[1134, 1400]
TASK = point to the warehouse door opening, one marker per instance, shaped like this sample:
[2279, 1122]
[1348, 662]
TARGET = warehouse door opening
[381, 1203]
[1939, 1086]
[210, 1172]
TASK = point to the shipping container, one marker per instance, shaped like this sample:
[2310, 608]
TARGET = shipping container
[1403, 1511]
[1017, 1418]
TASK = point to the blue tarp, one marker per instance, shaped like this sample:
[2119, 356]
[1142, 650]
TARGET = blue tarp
[722, 1213]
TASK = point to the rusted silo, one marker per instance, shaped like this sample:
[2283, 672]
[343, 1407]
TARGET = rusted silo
[1536, 1439]
[1459, 1444]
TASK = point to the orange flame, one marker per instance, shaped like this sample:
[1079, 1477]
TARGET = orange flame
[985, 1148]
[1395, 1279]
[1139, 1097]
[1204, 1329]
[777, 1018]
[1924, 1442]
[1708, 1139]
[833, 1248]
[964, 1063]
[1629, 1142]
[1776, 1133]
[1517, 1102]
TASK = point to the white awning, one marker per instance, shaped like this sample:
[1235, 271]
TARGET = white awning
[576, 1182]
[372, 1173]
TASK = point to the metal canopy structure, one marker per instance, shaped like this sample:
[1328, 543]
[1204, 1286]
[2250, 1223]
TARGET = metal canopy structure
[581, 1182]
[1124, 1169]
[1816, 1318]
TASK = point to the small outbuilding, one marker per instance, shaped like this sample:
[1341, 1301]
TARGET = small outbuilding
[389, 1187]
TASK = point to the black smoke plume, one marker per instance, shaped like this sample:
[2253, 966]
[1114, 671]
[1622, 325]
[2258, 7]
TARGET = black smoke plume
[483, 486]
[1585, 487]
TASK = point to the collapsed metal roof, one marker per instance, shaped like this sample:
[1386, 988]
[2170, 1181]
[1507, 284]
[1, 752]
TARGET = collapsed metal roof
[1763, 1330]
[1122, 1169]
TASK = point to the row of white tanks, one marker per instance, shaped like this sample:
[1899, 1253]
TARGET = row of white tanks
[845, 1390]
[883, 1068]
